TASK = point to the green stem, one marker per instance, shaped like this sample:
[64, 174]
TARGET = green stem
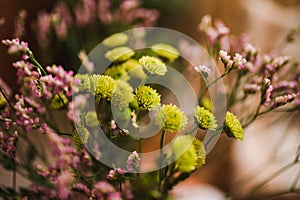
[38, 65]
[161, 171]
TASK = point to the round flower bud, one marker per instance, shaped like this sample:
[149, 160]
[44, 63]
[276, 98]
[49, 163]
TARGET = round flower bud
[104, 86]
[153, 66]
[189, 151]
[147, 97]
[91, 119]
[58, 101]
[119, 54]
[80, 135]
[114, 40]
[233, 127]
[205, 119]
[117, 72]
[171, 118]
[122, 95]
[166, 51]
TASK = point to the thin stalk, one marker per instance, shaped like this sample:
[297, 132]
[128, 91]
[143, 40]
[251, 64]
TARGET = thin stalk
[212, 83]
[161, 171]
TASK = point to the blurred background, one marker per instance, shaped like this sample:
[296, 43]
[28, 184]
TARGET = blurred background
[233, 168]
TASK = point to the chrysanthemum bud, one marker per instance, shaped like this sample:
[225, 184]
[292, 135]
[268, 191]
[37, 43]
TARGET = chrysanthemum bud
[166, 51]
[147, 97]
[171, 118]
[205, 119]
[153, 66]
[233, 127]
[119, 54]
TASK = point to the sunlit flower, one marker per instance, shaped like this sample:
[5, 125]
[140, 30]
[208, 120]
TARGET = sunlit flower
[166, 51]
[104, 86]
[189, 151]
[114, 40]
[233, 127]
[205, 119]
[171, 118]
[147, 97]
[153, 66]
[119, 54]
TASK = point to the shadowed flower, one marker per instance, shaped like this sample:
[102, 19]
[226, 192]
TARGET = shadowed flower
[91, 119]
[171, 118]
[104, 86]
[122, 95]
[205, 119]
[114, 40]
[166, 51]
[81, 135]
[147, 97]
[117, 72]
[119, 54]
[190, 153]
[233, 127]
[134, 68]
[153, 66]
[59, 101]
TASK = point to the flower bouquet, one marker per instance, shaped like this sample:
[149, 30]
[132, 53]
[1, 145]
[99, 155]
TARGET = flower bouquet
[86, 134]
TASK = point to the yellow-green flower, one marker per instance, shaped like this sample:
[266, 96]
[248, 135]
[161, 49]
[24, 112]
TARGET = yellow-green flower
[190, 153]
[84, 84]
[117, 72]
[119, 54]
[122, 95]
[147, 97]
[59, 101]
[166, 51]
[91, 119]
[154, 66]
[171, 118]
[205, 119]
[206, 103]
[2, 102]
[81, 135]
[233, 127]
[117, 39]
[134, 68]
[104, 86]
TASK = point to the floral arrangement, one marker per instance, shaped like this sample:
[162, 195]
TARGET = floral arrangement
[53, 107]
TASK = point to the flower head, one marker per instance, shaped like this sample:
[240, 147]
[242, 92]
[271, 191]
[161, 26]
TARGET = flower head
[133, 162]
[122, 95]
[114, 40]
[190, 153]
[171, 118]
[233, 127]
[166, 51]
[115, 174]
[119, 54]
[104, 86]
[117, 72]
[205, 119]
[134, 68]
[147, 97]
[203, 69]
[91, 119]
[81, 135]
[59, 101]
[153, 66]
